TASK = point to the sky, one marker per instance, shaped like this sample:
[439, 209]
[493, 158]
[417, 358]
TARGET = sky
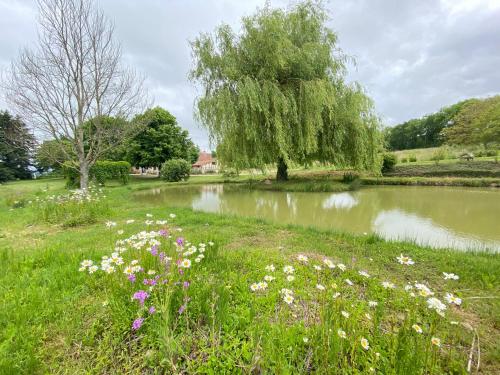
[412, 56]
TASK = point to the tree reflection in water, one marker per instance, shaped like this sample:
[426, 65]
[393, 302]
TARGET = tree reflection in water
[436, 216]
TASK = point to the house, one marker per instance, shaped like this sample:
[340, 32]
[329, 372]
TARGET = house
[205, 164]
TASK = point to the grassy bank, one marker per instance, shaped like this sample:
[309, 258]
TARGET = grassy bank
[432, 181]
[59, 320]
[475, 169]
[451, 154]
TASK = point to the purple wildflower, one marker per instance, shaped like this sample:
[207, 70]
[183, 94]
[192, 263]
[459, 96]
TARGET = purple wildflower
[152, 310]
[137, 323]
[141, 296]
[185, 284]
[163, 232]
[154, 250]
[151, 282]
[182, 308]
[162, 256]
[180, 241]
[131, 278]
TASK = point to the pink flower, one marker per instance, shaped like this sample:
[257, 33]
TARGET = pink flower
[152, 310]
[137, 323]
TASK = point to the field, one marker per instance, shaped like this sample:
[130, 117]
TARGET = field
[451, 154]
[458, 169]
[223, 314]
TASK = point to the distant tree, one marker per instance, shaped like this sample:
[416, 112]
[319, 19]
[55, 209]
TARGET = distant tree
[16, 145]
[74, 75]
[477, 123]
[423, 132]
[161, 140]
[276, 93]
[48, 155]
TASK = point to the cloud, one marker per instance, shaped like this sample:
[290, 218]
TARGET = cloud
[413, 57]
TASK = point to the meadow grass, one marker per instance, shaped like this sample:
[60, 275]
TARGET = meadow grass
[59, 320]
[459, 169]
[424, 155]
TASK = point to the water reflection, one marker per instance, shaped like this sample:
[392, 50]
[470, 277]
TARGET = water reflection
[340, 201]
[436, 216]
[397, 224]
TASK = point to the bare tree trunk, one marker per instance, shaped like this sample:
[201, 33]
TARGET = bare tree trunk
[282, 173]
[84, 175]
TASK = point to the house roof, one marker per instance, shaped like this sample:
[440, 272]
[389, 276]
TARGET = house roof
[203, 159]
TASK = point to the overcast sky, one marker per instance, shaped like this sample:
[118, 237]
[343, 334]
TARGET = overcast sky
[413, 56]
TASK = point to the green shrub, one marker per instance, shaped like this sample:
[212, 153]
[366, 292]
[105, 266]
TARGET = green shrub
[412, 158]
[491, 152]
[6, 174]
[100, 172]
[439, 154]
[388, 162]
[349, 177]
[230, 173]
[175, 170]
[404, 160]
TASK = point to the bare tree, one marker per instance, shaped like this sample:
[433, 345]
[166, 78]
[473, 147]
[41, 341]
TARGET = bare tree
[73, 76]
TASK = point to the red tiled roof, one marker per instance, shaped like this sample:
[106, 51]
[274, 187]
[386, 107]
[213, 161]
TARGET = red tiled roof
[203, 159]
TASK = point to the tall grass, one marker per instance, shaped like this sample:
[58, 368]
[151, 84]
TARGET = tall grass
[75, 208]
[298, 314]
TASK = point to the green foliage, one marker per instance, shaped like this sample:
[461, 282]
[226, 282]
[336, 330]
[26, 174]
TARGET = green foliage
[52, 154]
[388, 162]
[100, 172]
[277, 92]
[423, 132]
[230, 173]
[6, 174]
[160, 140]
[412, 158]
[114, 134]
[349, 177]
[439, 154]
[478, 122]
[175, 170]
[16, 145]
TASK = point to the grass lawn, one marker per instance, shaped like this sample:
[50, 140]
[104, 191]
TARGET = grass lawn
[223, 313]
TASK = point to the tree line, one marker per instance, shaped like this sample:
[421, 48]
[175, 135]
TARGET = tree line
[469, 122]
[158, 139]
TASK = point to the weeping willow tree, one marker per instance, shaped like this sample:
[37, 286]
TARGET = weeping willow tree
[276, 93]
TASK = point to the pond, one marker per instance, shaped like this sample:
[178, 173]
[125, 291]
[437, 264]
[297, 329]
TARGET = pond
[440, 217]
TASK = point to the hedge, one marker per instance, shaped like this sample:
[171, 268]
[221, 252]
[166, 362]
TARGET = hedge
[100, 172]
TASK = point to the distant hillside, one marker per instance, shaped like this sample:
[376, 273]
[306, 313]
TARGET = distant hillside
[472, 121]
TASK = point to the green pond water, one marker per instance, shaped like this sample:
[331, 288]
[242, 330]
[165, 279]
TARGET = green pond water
[440, 217]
